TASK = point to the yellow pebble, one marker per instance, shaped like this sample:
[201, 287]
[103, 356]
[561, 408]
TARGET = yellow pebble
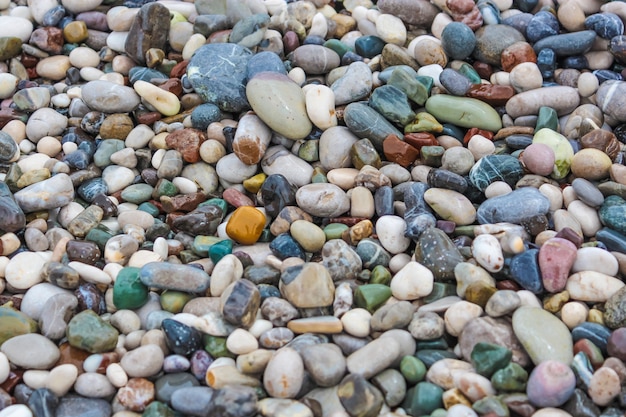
[75, 32]
[595, 316]
[253, 184]
[454, 396]
[245, 225]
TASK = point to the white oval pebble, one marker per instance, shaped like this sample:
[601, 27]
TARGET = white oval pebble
[116, 374]
[16, 410]
[487, 251]
[241, 341]
[390, 230]
[356, 322]
[5, 368]
[413, 281]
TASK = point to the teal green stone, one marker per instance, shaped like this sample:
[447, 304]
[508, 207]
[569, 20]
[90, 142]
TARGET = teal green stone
[266, 236]
[365, 122]
[318, 178]
[487, 358]
[309, 150]
[165, 187]
[14, 323]
[159, 409]
[469, 71]
[102, 156]
[137, 193]
[369, 46]
[431, 155]
[412, 369]
[430, 356]
[202, 244]
[220, 249]
[440, 290]
[392, 103]
[371, 296]
[380, 275]
[88, 331]
[149, 208]
[129, 292]
[436, 251]
[547, 118]
[435, 344]
[511, 378]
[99, 236]
[216, 346]
[464, 112]
[334, 230]
[414, 88]
[613, 213]
[563, 151]
[492, 406]
[423, 399]
[337, 46]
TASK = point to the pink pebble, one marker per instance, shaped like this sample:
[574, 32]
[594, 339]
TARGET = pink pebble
[550, 384]
[539, 159]
[604, 386]
[556, 257]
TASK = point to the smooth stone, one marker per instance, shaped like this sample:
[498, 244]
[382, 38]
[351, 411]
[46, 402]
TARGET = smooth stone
[297, 282]
[279, 160]
[322, 200]
[354, 85]
[76, 405]
[552, 333]
[89, 332]
[31, 351]
[458, 40]
[614, 317]
[611, 213]
[567, 44]
[491, 40]
[463, 112]
[384, 352]
[16, 26]
[315, 59]
[592, 286]
[563, 99]
[143, 362]
[451, 205]
[15, 323]
[595, 259]
[524, 269]
[436, 251]
[556, 257]
[412, 282]
[174, 277]
[390, 231]
[365, 122]
[393, 104]
[109, 97]
[550, 384]
[284, 373]
[275, 98]
[610, 99]
[509, 208]
[45, 122]
[341, 260]
[493, 168]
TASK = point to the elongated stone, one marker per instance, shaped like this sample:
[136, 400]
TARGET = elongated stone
[58, 191]
[520, 204]
[365, 122]
[567, 44]
[418, 215]
[464, 112]
[174, 277]
[561, 98]
[12, 217]
[551, 340]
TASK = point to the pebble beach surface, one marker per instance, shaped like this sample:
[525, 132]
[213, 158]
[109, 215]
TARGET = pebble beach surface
[323, 208]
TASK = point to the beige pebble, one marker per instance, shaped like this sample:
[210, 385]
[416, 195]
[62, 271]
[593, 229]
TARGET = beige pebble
[553, 194]
[587, 83]
[604, 386]
[497, 188]
[344, 178]
[361, 202]
[49, 145]
[459, 314]
[356, 322]
[93, 385]
[116, 375]
[126, 321]
[574, 313]
[525, 76]
[587, 217]
[241, 341]
[480, 146]
[143, 362]
[90, 273]
[163, 101]
[551, 412]
[54, 67]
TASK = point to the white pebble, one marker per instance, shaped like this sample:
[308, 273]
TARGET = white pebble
[356, 322]
[17, 410]
[5, 368]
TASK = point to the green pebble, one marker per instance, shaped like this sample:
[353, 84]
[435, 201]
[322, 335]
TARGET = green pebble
[440, 412]
[337, 46]
[423, 122]
[99, 235]
[435, 344]
[491, 405]
[309, 151]
[220, 249]
[363, 153]
[547, 118]
[430, 356]
[14, 323]
[334, 230]
[440, 290]
[431, 155]
[10, 46]
[164, 187]
[88, 331]
[12, 176]
[423, 399]
[487, 358]
[266, 236]
[412, 369]
[187, 256]
[174, 301]
[511, 378]
[149, 208]
[464, 112]
[128, 291]
[393, 103]
[469, 71]
[201, 244]
[137, 193]
[371, 296]
[417, 89]
[159, 409]
[380, 275]
[216, 346]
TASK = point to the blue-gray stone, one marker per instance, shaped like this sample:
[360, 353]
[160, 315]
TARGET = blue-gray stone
[217, 72]
[78, 159]
[176, 277]
[606, 25]
[575, 43]
[519, 21]
[596, 333]
[53, 16]
[514, 207]
[614, 241]
[365, 122]
[489, 11]
[145, 74]
[524, 269]
[393, 104]
[456, 83]
[383, 201]
[249, 32]
[546, 61]
[372, 253]
[542, 25]
[493, 168]
[206, 24]
[265, 61]
[92, 188]
[613, 213]
[284, 246]
[205, 114]
[418, 215]
[74, 405]
[12, 217]
[458, 40]
[193, 401]
[518, 141]
[369, 46]
[167, 384]
[8, 147]
[43, 402]
[587, 192]
[107, 147]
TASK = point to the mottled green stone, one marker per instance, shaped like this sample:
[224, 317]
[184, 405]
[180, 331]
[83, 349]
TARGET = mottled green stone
[487, 358]
[613, 213]
[363, 153]
[423, 399]
[165, 187]
[216, 346]
[174, 301]
[547, 118]
[87, 331]
[492, 406]
[431, 155]
[159, 409]
[417, 89]
[137, 193]
[392, 103]
[187, 256]
[128, 291]
[337, 46]
[10, 47]
[220, 249]
[435, 344]
[106, 148]
[318, 176]
[149, 208]
[511, 378]
[464, 112]
[99, 235]
[430, 356]
[380, 275]
[217, 202]
[12, 176]
[202, 244]
[14, 323]
[334, 230]
[412, 369]
[371, 296]
[309, 150]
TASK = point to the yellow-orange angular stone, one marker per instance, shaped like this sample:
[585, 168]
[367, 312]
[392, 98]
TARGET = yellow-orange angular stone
[245, 225]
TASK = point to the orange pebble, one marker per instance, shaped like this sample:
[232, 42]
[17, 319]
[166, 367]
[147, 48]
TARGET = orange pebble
[245, 225]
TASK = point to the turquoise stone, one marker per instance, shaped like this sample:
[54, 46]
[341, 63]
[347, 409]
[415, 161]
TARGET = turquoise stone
[88, 331]
[99, 235]
[511, 378]
[337, 46]
[412, 369]
[149, 208]
[416, 89]
[137, 193]
[430, 356]
[107, 147]
[202, 244]
[369, 46]
[547, 118]
[436, 251]
[165, 187]
[365, 122]
[487, 358]
[613, 213]
[464, 112]
[469, 71]
[563, 151]
[371, 296]
[423, 399]
[128, 291]
[220, 249]
[493, 168]
[392, 103]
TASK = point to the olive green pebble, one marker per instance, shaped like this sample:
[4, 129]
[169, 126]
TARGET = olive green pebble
[371, 296]
[216, 346]
[412, 369]
[159, 409]
[335, 230]
[512, 378]
[174, 301]
[380, 275]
